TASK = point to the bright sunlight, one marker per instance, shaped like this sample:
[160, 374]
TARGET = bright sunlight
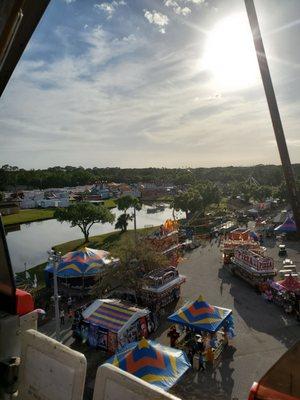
[230, 55]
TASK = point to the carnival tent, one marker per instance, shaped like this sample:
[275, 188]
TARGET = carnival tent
[201, 316]
[82, 263]
[159, 365]
[290, 283]
[288, 226]
[113, 315]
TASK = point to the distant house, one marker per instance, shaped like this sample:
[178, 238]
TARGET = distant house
[30, 199]
[101, 189]
[9, 207]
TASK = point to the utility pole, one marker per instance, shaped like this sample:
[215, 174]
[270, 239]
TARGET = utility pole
[134, 225]
[293, 196]
[54, 258]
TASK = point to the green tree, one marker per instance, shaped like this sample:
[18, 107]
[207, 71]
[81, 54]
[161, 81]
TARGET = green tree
[209, 192]
[123, 204]
[122, 222]
[197, 198]
[84, 215]
[135, 262]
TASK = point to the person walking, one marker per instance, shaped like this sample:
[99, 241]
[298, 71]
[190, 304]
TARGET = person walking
[173, 335]
[62, 317]
[69, 304]
[202, 361]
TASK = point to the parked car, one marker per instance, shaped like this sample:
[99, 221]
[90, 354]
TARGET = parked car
[282, 250]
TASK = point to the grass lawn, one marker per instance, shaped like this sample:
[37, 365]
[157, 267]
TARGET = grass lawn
[28, 216]
[110, 203]
[39, 271]
[38, 214]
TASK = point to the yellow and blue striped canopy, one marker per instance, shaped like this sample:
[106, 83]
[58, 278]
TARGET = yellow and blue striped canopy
[201, 316]
[85, 262]
[159, 365]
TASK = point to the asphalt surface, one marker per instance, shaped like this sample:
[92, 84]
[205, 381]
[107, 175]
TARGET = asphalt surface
[263, 331]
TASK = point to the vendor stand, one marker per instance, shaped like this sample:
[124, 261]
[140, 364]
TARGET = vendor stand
[109, 324]
[252, 267]
[286, 294]
[206, 331]
[236, 238]
[161, 288]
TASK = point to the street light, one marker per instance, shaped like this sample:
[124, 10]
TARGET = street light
[54, 259]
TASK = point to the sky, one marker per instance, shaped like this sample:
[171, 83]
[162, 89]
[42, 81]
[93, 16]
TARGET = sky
[142, 83]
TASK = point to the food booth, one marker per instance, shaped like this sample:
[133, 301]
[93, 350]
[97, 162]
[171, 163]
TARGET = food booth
[161, 288]
[148, 360]
[236, 238]
[252, 266]
[109, 324]
[285, 293]
[206, 329]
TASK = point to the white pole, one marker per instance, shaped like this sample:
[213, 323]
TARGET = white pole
[55, 258]
[134, 225]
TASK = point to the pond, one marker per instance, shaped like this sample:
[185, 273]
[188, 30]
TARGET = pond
[30, 244]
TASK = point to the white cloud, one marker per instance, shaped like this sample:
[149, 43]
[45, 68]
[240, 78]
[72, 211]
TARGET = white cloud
[195, 1]
[69, 1]
[157, 18]
[110, 8]
[177, 8]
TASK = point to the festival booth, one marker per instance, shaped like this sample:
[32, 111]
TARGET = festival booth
[240, 237]
[166, 241]
[206, 331]
[109, 324]
[79, 269]
[252, 267]
[161, 288]
[159, 365]
[285, 293]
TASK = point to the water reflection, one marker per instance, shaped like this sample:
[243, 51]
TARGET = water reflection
[30, 244]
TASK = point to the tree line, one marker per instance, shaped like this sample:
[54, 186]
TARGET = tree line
[13, 177]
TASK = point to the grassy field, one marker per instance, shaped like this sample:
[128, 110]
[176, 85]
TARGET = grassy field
[25, 216]
[38, 214]
[38, 270]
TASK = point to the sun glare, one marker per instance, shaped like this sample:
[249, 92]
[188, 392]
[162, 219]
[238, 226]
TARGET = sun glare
[230, 55]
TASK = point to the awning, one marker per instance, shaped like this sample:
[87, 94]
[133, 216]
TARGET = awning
[113, 315]
[201, 316]
[85, 262]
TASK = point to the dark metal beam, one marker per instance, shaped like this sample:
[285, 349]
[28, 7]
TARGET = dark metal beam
[18, 20]
[288, 171]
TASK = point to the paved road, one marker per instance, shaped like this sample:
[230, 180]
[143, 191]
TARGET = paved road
[263, 331]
